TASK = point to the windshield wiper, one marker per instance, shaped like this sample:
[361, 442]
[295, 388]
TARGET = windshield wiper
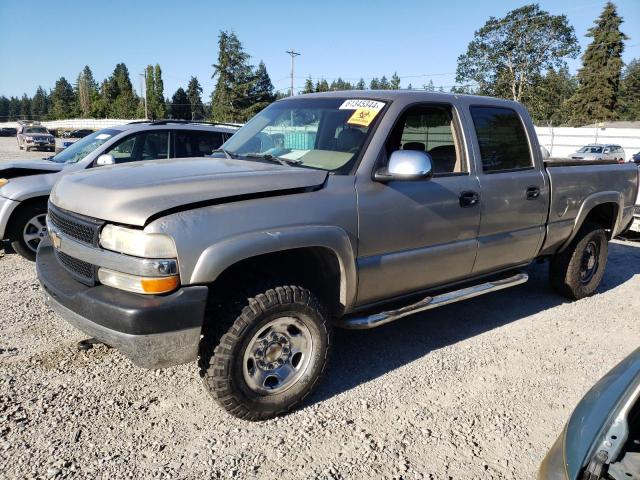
[274, 159]
[227, 153]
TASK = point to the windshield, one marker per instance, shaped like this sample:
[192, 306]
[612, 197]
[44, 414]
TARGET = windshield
[80, 149]
[590, 149]
[322, 133]
[35, 130]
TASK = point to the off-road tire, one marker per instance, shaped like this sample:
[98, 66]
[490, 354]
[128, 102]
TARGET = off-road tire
[18, 223]
[227, 337]
[565, 267]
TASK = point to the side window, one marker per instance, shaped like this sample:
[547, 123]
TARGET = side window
[431, 129]
[502, 139]
[196, 144]
[141, 146]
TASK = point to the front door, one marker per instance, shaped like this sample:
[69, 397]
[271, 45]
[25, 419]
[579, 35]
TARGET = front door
[418, 234]
[514, 191]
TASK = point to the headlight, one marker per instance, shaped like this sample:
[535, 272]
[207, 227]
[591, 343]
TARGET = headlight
[3, 181]
[133, 283]
[137, 242]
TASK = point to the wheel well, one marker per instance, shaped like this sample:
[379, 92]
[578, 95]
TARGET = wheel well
[31, 202]
[605, 215]
[316, 268]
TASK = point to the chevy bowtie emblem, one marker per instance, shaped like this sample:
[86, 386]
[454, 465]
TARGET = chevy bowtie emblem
[55, 239]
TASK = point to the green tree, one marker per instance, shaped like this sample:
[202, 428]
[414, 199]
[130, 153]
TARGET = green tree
[596, 98]
[230, 99]
[384, 83]
[374, 84]
[180, 107]
[25, 106]
[120, 100]
[62, 100]
[322, 86]
[630, 92]
[261, 93]
[361, 85]
[14, 108]
[86, 91]
[508, 53]
[429, 87]
[4, 109]
[548, 98]
[194, 92]
[308, 86]
[154, 91]
[395, 81]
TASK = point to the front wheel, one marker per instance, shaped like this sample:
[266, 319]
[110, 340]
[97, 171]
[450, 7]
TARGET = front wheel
[577, 271]
[271, 356]
[29, 228]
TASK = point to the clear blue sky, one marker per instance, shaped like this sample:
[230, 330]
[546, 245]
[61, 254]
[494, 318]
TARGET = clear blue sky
[43, 40]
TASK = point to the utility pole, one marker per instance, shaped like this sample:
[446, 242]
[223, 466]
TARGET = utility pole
[293, 54]
[146, 112]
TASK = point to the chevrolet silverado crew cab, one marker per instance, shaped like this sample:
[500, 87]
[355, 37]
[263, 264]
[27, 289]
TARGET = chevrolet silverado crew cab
[347, 209]
[25, 185]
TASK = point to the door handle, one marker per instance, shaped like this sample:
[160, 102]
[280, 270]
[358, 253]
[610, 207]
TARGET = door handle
[533, 192]
[469, 199]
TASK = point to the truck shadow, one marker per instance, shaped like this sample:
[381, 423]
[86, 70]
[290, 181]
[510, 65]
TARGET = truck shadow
[361, 356]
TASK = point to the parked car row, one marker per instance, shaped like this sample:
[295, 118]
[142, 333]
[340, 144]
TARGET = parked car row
[338, 209]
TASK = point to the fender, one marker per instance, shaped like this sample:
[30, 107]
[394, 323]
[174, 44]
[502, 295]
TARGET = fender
[7, 207]
[220, 256]
[589, 204]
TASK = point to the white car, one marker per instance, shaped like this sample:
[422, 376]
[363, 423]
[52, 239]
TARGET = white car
[599, 151]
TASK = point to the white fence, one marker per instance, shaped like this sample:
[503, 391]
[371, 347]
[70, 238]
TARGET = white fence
[563, 141]
[77, 123]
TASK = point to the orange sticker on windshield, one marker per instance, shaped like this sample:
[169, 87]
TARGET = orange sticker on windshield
[363, 116]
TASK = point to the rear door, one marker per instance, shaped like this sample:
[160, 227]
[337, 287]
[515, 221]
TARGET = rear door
[196, 143]
[514, 189]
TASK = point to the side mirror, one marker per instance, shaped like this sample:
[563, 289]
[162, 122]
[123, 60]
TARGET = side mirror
[105, 159]
[606, 150]
[406, 165]
[544, 152]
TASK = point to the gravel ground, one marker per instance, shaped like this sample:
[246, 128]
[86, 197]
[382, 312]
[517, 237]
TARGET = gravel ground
[478, 389]
[9, 151]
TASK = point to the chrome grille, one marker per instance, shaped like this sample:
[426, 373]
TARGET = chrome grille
[79, 228]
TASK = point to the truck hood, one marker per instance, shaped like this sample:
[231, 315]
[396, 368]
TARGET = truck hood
[24, 168]
[131, 194]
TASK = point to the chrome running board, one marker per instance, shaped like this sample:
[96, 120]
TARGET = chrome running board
[427, 303]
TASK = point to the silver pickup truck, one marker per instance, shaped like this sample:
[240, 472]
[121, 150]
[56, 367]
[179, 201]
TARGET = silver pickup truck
[347, 209]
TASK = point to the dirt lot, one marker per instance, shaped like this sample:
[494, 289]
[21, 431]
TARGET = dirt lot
[9, 151]
[473, 390]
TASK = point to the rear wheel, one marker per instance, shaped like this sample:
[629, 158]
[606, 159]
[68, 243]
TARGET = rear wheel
[577, 271]
[29, 228]
[271, 356]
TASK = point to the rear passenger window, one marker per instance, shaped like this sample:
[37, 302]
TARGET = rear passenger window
[502, 139]
[431, 129]
[197, 144]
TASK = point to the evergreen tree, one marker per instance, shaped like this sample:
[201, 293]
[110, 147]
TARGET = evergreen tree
[308, 85]
[62, 100]
[261, 93]
[25, 106]
[374, 84]
[630, 92]
[384, 83]
[120, 99]
[409, 87]
[194, 92]
[86, 91]
[508, 53]
[154, 92]
[230, 99]
[161, 111]
[322, 86]
[429, 87]
[180, 107]
[4, 109]
[14, 108]
[596, 98]
[395, 81]
[361, 85]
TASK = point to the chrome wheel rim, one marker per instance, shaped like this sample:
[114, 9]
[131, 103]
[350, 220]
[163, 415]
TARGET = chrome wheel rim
[277, 356]
[34, 231]
[589, 262]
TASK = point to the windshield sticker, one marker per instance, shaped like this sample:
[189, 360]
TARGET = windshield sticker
[363, 117]
[103, 136]
[361, 103]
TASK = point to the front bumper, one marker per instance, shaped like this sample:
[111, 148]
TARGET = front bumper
[152, 331]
